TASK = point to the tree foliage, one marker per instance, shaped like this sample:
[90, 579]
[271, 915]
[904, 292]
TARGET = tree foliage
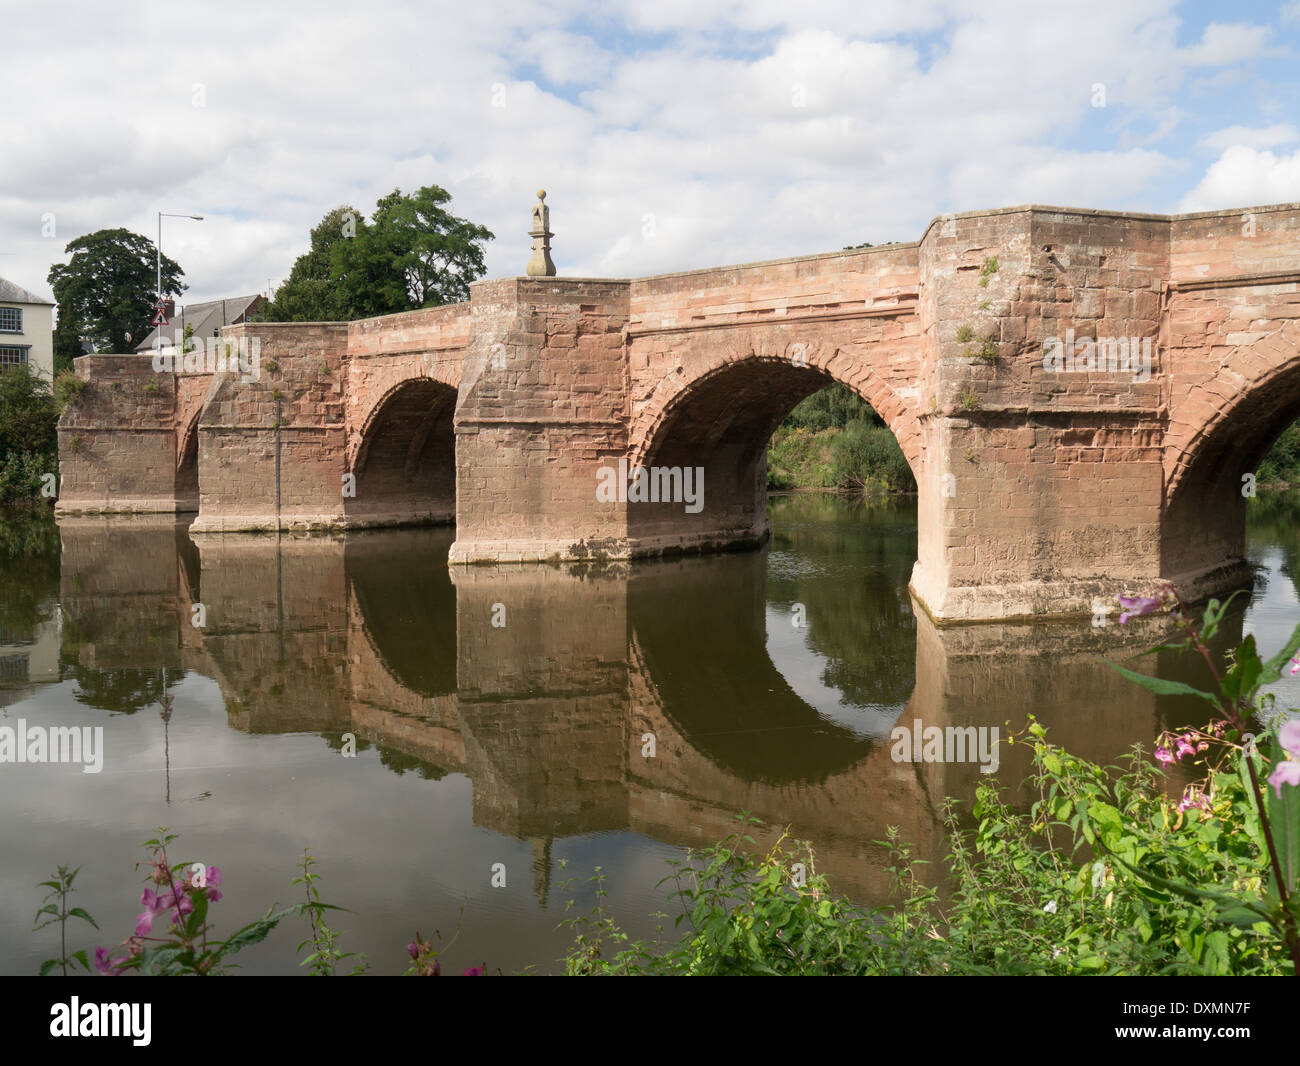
[411, 253]
[105, 292]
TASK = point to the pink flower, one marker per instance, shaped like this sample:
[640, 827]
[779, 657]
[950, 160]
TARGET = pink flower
[1289, 736]
[1136, 606]
[1185, 748]
[1295, 666]
[1285, 773]
[1193, 797]
[413, 950]
[154, 904]
[109, 967]
[477, 971]
[214, 884]
[1164, 755]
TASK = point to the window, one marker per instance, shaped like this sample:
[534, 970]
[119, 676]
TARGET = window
[13, 354]
[11, 319]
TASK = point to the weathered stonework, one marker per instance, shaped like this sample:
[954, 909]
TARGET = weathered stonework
[1040, 492]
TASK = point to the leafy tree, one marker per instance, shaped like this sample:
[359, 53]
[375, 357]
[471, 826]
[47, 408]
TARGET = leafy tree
[834, 406]
[438, 253]
[106, 293]
[412, 253]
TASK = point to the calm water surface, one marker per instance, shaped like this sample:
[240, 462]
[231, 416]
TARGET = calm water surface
[518, 743]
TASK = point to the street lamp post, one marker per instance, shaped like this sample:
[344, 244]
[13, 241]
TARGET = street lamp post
[158, 250]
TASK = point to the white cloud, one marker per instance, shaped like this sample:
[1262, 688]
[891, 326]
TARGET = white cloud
[682, 109]
[1222, 44]
[1246, 177]
[1261, 137]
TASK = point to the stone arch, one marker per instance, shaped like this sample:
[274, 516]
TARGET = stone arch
[825, 367]
[371, 383]
[403, 457]
[720, 420]
[187, 464]
[1219, 431]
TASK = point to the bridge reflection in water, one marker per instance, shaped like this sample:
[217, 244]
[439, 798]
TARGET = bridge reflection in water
[540, 684]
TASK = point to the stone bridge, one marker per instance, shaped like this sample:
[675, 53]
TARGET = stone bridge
[1046, 481]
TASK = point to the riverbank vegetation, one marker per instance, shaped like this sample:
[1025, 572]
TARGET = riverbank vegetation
[1280, 468]
[834, 440]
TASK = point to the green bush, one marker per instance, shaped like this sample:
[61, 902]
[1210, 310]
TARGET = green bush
[834, 407]
[22, 474]
[800, 458]
[1282, 464]
[28, 434]
[867, 458]
[1048, 891]
[28, 416]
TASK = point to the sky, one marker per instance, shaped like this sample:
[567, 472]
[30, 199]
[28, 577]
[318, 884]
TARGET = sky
[669, 135]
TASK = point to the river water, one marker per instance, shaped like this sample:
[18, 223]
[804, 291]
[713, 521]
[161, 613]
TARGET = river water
[516, 725]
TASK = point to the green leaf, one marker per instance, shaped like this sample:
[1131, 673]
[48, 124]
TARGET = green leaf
[197, 917]
[1242, 678]
[1284, 818]
[47, 966]
[1243, 917]
[1273, 668]
[77, 912]
[1161, 687]
[1214, 614]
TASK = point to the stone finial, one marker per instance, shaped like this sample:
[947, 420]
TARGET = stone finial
[540, 264]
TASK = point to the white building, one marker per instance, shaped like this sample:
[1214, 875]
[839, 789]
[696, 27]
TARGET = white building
[26, 329]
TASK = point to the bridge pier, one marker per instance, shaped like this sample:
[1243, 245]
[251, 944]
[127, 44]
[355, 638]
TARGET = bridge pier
[541, 409]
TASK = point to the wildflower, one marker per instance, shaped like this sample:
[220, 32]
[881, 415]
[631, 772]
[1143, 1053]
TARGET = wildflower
[1289, 736]
[213, 884]
[475, 971]
[1136, 606]
[154, 904]
[1285, 773]
[107, 966]
[1194, 797]
[1295, 666]
[1185, 747]
[1163, 754]
[1050, 908]
[413, 950]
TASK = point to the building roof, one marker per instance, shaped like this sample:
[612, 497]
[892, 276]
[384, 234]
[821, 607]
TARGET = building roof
[206, 318]
[16, 294]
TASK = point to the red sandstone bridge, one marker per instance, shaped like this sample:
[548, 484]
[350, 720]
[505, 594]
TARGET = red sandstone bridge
[1042, 488]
